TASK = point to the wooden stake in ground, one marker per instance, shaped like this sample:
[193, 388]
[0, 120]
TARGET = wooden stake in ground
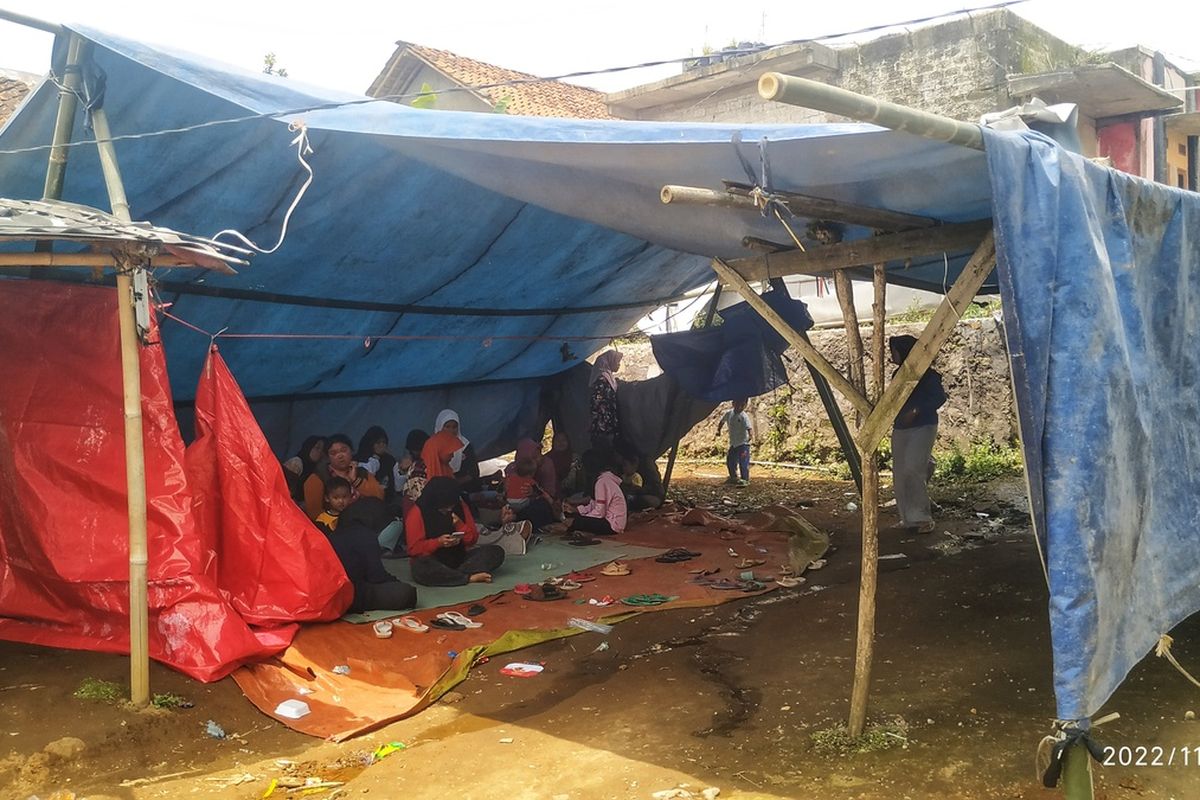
[844, 289]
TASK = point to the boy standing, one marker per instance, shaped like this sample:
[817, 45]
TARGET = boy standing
[738, 459]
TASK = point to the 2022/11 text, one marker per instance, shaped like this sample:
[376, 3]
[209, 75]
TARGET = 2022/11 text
[1155, 756]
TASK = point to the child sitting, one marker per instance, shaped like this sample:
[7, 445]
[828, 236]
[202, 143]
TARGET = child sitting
[607, 512]
[337, 497]
[519, 485]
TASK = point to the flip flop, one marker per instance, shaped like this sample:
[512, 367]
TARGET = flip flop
[523, 589]
[475, 610]
[383, 629]
[704, 571]
[675, 555]
[647, 599]
[444, 624]
[750, 563]
[459, 619]
[569, 585]
[615, 569]
[789, 582]
[581, 577]
[725, 585]
[410, 624]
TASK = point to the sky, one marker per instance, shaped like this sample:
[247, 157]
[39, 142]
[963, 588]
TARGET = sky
[347, 49]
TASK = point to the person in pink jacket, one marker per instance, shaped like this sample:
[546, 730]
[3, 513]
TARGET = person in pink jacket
[606, 514]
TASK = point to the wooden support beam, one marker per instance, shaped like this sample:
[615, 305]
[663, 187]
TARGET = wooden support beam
[697, 196]
[836, 379]
[97, 261]
[877, 249]
[926, 349]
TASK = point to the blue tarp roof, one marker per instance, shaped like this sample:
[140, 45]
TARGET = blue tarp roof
[444, 209]
[514, 220]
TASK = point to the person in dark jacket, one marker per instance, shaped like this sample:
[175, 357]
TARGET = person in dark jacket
[375, 589]
[913, 435]
[442, 539]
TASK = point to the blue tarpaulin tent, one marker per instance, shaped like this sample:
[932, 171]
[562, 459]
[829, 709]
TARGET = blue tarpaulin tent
[446, 259]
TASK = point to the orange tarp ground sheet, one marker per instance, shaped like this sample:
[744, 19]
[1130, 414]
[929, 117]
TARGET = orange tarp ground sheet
[393, 678]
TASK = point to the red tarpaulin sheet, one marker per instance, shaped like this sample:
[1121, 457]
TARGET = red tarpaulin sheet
[238, 558]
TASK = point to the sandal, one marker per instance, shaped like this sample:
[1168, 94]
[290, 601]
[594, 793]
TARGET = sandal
[581, 577]
[750, 563]
[444, 624]
[724, 584]
[789, 582]
[383, 629]
[460, 619]
[675, 555]
[616, 569]
[580, 539]
[410, 624]
[522, 589]
[704, 571]
[647, 599]
[568, 585]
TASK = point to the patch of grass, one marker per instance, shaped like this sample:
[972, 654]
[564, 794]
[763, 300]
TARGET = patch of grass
[914, 314]
[984, 461]
[778, 424]
[837, 741]
[982, 310]
[168, 700]
[102, 691]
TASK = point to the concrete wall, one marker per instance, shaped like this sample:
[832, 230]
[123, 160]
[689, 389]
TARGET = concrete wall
[957, 68]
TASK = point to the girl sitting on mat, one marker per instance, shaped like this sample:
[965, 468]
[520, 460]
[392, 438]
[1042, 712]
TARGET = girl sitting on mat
[442, 538]
[606, 514]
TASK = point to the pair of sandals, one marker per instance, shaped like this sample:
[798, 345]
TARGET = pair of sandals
[540, 592]
[616, 569]
[731, 585]
[384, 627]
[676, 555]
[648, 599]
[454, 621]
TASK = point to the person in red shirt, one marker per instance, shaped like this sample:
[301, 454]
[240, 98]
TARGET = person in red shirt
[442, 539]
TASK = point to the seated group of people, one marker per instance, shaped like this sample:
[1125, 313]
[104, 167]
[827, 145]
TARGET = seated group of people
[425, 503]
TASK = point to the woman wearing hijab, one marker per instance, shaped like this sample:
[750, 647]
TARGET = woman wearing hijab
[303, 464]
[566, 466]
[373, 456]
[605, 427]
[913, 434]
[442, 538]
[448, 453]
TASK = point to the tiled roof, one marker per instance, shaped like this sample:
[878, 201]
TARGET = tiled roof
[541, 99]
[12, 92]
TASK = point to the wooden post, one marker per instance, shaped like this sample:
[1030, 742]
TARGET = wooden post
[844, 288]
[135, 460]
[879, 421]
[836, 379]
[878, 337]
[864, 650]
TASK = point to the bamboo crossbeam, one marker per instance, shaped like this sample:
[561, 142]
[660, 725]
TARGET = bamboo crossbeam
[925, 350]
[31, 22]
[697, 196]
[813, 356]
[863, 252]
[832, 100]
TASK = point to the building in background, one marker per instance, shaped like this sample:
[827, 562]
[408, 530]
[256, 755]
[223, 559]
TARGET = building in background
[14, 86]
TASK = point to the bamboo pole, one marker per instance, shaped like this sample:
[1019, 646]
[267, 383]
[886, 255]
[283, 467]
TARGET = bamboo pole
[697, 196]
[64, 123]
[80, 260]
[813, 356]
[31, 22]
[823, 97]
[135, 457]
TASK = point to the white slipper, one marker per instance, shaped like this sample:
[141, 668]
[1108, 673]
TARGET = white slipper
[460, 618]
[383, 629]
[410, 624]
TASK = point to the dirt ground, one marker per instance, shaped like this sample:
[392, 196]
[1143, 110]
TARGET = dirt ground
[726, 697]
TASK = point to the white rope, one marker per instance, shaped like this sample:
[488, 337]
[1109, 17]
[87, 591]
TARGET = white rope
[1163, 650]
[302, 149]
